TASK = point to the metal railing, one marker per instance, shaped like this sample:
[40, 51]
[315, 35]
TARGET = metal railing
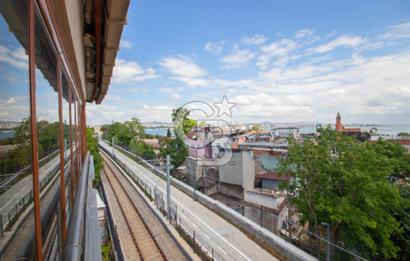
[315, 245]
[112, 229]
[7, 180]
[74, 243]
[194, 237]
[9, 218]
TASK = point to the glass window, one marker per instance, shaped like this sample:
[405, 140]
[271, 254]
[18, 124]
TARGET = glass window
[66, 125]
[48, 124]
[66, 115]
[15, 128]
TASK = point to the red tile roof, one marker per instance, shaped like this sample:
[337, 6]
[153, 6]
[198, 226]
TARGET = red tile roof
[351, 130]
[271, 175]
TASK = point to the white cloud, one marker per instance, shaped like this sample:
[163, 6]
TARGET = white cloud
[397, 31]
[130, 71]
[105, 113]
[172, 92]
[14, 108]
[365, 87]
[185, 70]
[370, 88]
[182, 66]
[303, 33]
[256, 39]
[176, 96]
[262, 106]
[16, 57]
[126, 44]
[279, 49]
[341, 41]
[237, 58]
[214, 47]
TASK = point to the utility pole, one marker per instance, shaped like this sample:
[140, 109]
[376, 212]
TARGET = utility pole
[328, 240]
[113, 146]
[65, 147]
[168, 189]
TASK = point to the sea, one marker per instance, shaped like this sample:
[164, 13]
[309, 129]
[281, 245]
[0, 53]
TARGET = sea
[158, 131]
[6, 134]
[381, 129]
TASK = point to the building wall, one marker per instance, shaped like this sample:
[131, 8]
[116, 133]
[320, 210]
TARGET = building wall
[248, 166]
[193, 170]
[231, 190]
[75, 20]
[232, 172]
[240, 170]
[266, 200]
[265, 217]
[266, 209]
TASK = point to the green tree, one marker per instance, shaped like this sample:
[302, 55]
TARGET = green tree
[169, 133]
[186, 122]
[123, 133]
[142, 149]
[176, 149]
[403, 216]
[256, 127]
[398, 157]
[92, 146]
[404, 134]
[48, 137]
[340, 181]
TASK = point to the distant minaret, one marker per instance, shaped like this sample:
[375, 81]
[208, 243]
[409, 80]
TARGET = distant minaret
[338, 122]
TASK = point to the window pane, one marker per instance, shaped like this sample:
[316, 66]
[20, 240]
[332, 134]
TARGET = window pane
[48, 125]
[66, 126]
[15, 128]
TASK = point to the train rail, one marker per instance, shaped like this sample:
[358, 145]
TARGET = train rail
[148, 239]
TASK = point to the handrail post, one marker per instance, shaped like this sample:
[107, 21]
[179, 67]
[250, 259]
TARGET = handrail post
[168, 189]
[1, 226]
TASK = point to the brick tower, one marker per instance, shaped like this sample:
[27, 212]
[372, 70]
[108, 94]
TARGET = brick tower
[338, 122]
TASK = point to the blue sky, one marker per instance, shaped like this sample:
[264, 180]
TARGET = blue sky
[279, 61]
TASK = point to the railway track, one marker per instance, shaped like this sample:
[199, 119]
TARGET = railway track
[144, 235]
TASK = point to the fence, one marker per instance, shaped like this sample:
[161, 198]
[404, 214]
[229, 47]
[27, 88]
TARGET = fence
[325, 249]
[112, 230]
[278, 244]
[197, 239]
[314, 244]
[7, 180]
[193, 236]
[9, 218]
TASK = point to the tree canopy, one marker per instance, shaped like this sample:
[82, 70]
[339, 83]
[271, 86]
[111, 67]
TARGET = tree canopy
[344, 182]
[175, 147]
[187, 123]
[123, 133]
[92, 146]
[142, 149]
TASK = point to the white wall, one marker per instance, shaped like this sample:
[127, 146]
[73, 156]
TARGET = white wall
[240, 170]
[266, 200]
